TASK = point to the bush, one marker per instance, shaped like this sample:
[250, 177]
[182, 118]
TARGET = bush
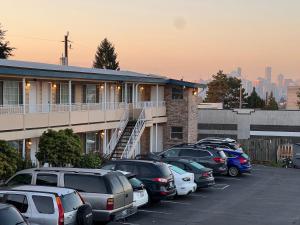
[9, 159]
[59, 148]
[92, 160]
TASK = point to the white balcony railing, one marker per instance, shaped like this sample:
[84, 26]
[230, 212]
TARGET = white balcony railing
[46, 108]
[149, 104]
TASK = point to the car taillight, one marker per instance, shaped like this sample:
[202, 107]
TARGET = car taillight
[160, 180]
[205, 174]
[242, 160]
[110, 204]
[219, 160]
[60, 211]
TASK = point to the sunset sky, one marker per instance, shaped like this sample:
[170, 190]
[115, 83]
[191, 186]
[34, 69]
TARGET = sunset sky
[179, 38]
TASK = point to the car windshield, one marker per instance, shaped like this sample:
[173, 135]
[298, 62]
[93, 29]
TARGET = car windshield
[197, 165]
[71, 201]
[135, 183]
[10, 216]
[177, 170]
[164, 169]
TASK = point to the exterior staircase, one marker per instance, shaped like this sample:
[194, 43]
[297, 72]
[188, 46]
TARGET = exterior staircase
[119, 149]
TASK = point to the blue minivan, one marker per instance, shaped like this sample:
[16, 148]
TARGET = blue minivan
[237, 162]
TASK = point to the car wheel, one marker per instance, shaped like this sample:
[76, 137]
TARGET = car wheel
[233, 171]
[84, 215]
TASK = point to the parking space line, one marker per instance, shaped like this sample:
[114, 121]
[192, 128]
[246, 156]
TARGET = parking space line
[221, 186]
[198, 195]
[128, 223]
[175, 202]
[228, 178]
[151, 211]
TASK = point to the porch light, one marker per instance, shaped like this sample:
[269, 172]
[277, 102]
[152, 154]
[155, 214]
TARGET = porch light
[54, 85]
[101, 86]
[142, 88]
[102, 134]
[29, 143]
[119, 87]
[28, 84]
[195, 92]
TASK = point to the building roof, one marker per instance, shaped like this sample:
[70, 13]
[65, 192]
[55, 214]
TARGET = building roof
[43, 70]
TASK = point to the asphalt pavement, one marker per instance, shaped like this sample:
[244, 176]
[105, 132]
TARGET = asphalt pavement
[268, 196]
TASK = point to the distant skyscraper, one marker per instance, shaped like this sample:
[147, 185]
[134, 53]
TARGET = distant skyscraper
[268, 74]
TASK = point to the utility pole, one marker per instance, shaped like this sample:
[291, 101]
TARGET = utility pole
[241, 103]
[65, 57]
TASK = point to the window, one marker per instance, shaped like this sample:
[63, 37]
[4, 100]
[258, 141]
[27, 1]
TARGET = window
[109, 167]
[91, 141]
[10, 216]
[1, 92]
[86, 183]
[177, 93]
[125, 182]
[127, 167]
[171, 153]
[147, 171]
[71, 202]
[46, 179]
[115, 184]
[20, 179]
[177, 170]
[64, 93]
[19, 201]
[43, 204]
[193, 153]
[10, 92]
[177, 133]
[91, 92]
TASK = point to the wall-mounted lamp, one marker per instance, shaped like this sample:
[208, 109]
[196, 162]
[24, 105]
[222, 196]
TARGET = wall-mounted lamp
[29, 143]
[28, 84]
[141, 88]
[102, 134]
[119, 87]
[54, 85]
[101, 86]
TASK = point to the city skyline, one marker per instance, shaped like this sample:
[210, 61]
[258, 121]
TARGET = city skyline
[182, 39]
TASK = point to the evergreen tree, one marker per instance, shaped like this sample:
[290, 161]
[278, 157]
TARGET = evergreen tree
[254, 101]
[271, 103]
[226, 90]
[5, 50]
[105, 57]
[298, 95]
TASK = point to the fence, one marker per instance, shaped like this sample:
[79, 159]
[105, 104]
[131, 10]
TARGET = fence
[264, 149]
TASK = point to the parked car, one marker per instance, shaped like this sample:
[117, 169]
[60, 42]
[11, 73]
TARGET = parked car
[184, 181]
[203, 176]
[222, 143]
[213, 159]
[109, 193]
[42, 205]
[156, 176]
[140, 195]
[237, 163]
[9, 215]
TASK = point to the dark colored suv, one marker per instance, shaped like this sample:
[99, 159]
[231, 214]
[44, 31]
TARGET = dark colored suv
[156, 176]
[213, 159]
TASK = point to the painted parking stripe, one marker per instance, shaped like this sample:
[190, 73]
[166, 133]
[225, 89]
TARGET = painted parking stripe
[198, 195]
[220, 186]
[151, 211]
[174, 202]
[128, 223]
[228, 178]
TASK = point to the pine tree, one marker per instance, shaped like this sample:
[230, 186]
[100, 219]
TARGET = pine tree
[105, 57]
[271, 103]
[254, 101]
[5, 50]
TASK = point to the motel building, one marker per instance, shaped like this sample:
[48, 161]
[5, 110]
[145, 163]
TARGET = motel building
[117, 113]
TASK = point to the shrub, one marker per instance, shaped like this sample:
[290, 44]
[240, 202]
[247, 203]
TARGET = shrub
[9, 159]
[91, 160]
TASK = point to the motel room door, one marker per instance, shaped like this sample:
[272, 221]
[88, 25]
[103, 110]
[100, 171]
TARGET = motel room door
[32, 97]
[46, 93]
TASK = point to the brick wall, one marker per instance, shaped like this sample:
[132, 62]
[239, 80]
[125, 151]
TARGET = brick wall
[145, 141]
[181, 113]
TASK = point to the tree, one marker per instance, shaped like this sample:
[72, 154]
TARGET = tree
[5, 50]
[298, 95]
[59, 148]
[105, 57]
[92, 160]
[9, 159]
[271, 103]
[226, 90]
[254, 101]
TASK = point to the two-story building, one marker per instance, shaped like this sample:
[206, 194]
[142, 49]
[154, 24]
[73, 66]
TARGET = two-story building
[117, 113]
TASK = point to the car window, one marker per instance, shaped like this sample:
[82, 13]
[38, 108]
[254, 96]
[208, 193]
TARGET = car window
[147, 171]
[222, 154]
[245, 156]
[171, 153]
[197, 165]
[71, 201]
[229, 154]
[109, 167]
[86, 183]
[177, 170]
[116, 184]
[164, 170]
[10, 216]
[193, 153]
[46, 179]
[17, 200]
[20, 179]
[124, 181]
[135, 183]
[127, 168]
[178, 164]
[43, 204]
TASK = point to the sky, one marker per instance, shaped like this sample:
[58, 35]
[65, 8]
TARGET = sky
[189, 39]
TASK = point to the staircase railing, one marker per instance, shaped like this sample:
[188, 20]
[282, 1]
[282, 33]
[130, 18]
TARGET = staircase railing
[135, 136]
[117, 134]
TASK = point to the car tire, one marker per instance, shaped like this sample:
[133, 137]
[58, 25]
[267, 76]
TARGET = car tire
[85, 215]
[233, 171]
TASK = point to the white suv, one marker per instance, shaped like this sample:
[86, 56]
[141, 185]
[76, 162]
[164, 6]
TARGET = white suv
[48, 205]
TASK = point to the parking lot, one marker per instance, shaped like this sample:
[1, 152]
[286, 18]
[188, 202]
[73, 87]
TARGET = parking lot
[268, 196]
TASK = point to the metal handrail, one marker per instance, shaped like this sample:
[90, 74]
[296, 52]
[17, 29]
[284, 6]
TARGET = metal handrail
[117, 133]
[149, 104]
[133, 139]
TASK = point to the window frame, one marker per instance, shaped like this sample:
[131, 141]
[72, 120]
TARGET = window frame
[177, 93]
[176, 133]
[47, 174]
